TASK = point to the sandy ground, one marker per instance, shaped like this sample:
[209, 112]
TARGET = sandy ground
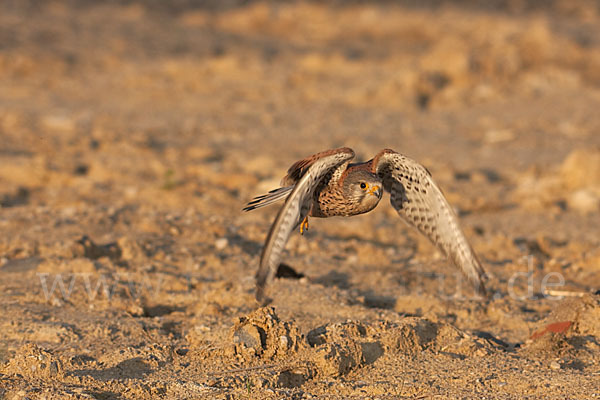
[132, 133]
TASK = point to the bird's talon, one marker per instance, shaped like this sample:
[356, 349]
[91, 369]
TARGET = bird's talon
[304, 225]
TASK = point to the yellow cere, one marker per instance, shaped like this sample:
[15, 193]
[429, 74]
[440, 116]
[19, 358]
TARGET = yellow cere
[374, 189]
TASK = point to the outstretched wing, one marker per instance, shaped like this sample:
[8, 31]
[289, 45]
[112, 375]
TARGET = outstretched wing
[296, 207]
[294, 173]
[421, 203]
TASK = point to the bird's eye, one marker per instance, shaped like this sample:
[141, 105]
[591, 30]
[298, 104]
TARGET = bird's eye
[363, 185]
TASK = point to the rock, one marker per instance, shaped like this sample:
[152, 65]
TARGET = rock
[221, 243]
[584, 201]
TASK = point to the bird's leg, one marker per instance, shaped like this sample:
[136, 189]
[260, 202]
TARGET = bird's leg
[304, 225]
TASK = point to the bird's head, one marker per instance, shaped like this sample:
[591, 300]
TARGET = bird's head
[363, 188]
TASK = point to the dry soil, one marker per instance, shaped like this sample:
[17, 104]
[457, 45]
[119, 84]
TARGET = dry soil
[132, 133]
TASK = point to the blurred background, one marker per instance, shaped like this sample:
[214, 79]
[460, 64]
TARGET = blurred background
[107, 98]
[111, 110]
[133, 132]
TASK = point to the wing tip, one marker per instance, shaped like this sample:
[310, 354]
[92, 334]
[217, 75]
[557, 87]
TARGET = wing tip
[261, 298]
[479, 279]
[480, 289]
[259, 294]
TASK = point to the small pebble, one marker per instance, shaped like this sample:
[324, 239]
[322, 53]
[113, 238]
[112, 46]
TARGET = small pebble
[554, 365]
[221, 243]
[283, 341]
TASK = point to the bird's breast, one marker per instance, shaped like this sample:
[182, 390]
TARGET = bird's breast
[332, 203]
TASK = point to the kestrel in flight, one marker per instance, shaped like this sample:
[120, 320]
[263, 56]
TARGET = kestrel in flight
[326, 185]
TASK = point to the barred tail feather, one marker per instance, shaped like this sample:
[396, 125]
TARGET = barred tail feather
[266, 199]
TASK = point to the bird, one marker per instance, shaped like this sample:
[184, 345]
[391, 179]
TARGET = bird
[327, 184]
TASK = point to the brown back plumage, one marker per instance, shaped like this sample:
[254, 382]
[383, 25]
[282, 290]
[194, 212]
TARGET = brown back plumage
[299, 168]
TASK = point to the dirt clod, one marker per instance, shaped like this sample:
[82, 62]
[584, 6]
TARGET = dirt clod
[263, 334]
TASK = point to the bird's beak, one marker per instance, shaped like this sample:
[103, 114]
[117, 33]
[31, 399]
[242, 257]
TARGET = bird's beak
[376, 191]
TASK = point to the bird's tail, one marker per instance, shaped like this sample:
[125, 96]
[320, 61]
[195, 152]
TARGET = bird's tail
[266, 199]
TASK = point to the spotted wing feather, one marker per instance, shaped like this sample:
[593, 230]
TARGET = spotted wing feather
[295, 208]
[420, 202]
